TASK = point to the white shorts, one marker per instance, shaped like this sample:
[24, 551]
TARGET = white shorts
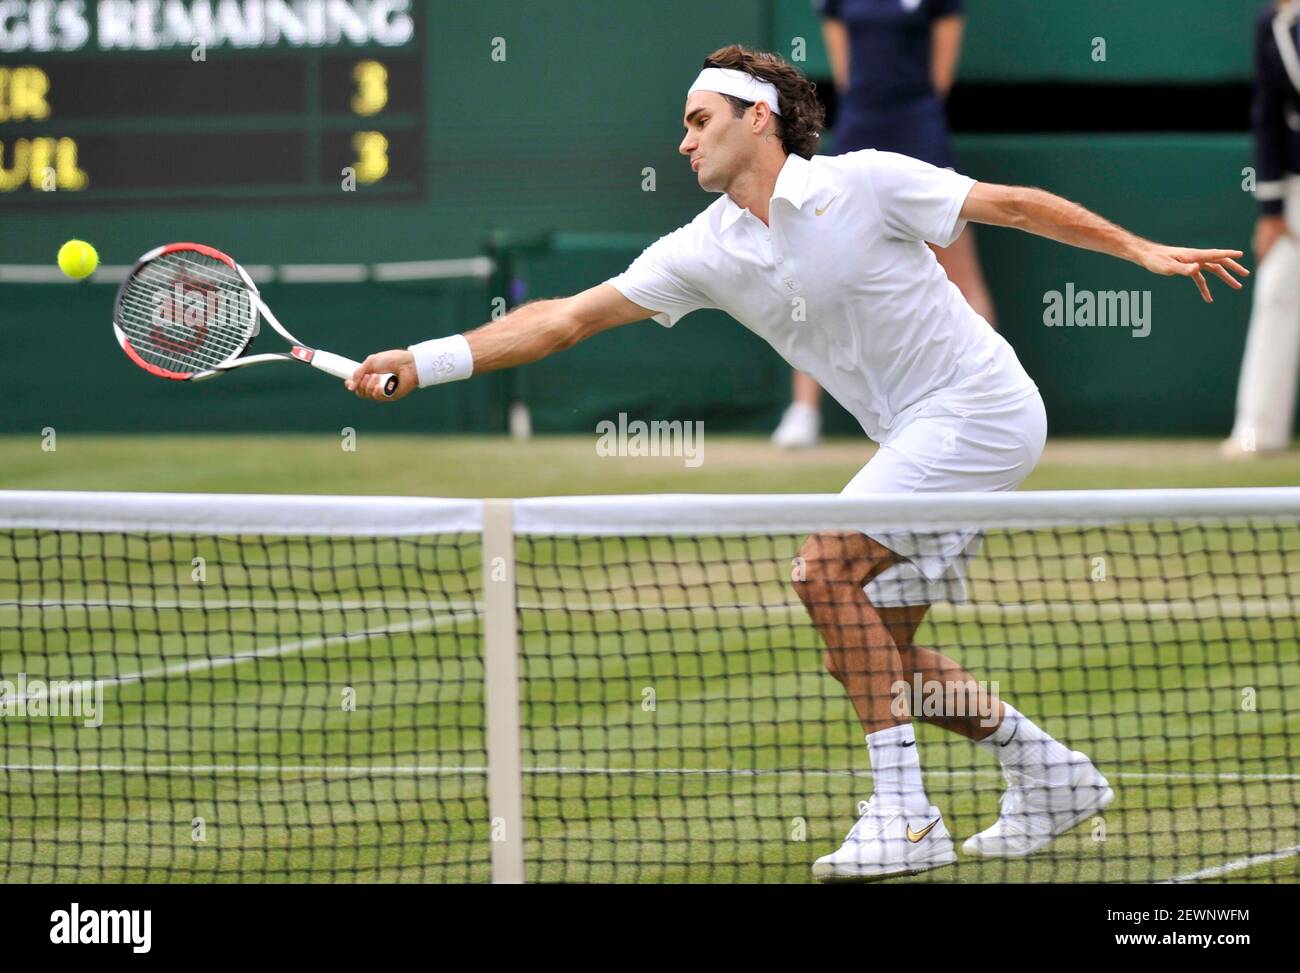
[944, 448]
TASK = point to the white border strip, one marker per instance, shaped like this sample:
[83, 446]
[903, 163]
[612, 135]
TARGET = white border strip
[237, 513]
[324, 273]
[713, 514]
[474, 268]
[649, 515]
[478, 268]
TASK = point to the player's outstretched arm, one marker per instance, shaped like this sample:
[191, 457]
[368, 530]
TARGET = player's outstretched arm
[1036, 211]
[526, 334]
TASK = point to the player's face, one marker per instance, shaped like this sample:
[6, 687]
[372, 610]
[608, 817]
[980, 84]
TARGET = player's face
[715, 141]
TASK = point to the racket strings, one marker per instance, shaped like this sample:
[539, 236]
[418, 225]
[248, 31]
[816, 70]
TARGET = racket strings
[199, 328]
[185, 311]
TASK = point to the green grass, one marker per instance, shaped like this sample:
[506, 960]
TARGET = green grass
[445, 466]
[747, 766]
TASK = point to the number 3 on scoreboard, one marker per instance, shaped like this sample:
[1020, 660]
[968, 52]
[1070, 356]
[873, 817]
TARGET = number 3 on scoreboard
[372, 156]
[372, 88]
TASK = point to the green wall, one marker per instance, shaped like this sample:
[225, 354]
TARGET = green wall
[1052, 40]
[558, 137]
[65, 370]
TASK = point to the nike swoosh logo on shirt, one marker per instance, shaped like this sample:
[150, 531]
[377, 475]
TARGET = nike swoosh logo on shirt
[822, 209]
[915, 836]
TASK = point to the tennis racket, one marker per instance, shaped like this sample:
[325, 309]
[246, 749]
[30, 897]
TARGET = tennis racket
[188, 312]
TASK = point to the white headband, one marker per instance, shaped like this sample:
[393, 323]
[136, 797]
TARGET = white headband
[738, 84]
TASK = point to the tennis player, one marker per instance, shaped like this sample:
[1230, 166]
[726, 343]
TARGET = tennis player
[827, 259]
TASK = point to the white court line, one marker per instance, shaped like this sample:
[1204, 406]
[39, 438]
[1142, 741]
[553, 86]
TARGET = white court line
[442, 770]
[225, 661]
[1080, 611]
[1240, 864]
[242, 604]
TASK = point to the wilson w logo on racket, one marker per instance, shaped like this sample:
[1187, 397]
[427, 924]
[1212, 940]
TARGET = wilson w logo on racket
[188, 312]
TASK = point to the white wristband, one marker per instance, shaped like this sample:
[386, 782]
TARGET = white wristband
[443, 360]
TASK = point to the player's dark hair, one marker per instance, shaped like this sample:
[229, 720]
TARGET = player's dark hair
[800, 123]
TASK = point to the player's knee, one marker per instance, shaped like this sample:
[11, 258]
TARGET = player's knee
[813, 568]
[823, 563]
[832, 663]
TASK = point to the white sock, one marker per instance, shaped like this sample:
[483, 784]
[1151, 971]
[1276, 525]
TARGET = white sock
[1023, 747]
[896, 770]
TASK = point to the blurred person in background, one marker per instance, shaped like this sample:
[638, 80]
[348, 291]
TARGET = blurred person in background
[1266, 391]
[894, 62]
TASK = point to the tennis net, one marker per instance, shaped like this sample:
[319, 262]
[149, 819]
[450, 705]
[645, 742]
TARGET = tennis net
[609, 689]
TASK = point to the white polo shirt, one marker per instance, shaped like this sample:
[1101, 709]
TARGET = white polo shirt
[842, 285]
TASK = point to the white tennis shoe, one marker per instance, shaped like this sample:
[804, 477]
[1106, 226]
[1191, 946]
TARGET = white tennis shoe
[887, 842]
[800, 427]
[1034, 813]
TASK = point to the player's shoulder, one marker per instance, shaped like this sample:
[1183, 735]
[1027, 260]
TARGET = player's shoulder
[853, 163]
[678, 248]
[702, 231]
[863, 167]
[876, 166]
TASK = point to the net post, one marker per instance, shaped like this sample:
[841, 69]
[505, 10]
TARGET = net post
[501, 675]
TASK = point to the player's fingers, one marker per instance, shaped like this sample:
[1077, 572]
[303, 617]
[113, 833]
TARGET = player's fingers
[1224, 276]
[1204, 256]
[1235, 267]
[355, 381]
[365, 385]
[1202, 286]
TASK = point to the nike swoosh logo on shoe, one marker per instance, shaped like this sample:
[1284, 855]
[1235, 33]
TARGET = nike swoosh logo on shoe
[915, 836]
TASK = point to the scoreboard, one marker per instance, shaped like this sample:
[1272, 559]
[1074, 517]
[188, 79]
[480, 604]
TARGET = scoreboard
[329, 99]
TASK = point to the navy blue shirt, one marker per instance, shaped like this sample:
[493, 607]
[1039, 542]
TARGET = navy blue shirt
[1276, 113]
[889, 47]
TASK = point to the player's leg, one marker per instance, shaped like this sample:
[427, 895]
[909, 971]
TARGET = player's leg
[975, 709]
[834, 568]
[801, 423]
[899, 830]
[1050, 788]
[961, 262]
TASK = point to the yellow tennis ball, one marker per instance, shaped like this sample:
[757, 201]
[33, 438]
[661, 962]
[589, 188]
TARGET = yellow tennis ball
[78, 259]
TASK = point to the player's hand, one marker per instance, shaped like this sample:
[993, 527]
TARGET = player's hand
[365, 380]
[1268, 230]
[1186, 262]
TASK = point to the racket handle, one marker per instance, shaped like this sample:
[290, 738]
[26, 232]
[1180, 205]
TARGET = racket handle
[341, 367]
